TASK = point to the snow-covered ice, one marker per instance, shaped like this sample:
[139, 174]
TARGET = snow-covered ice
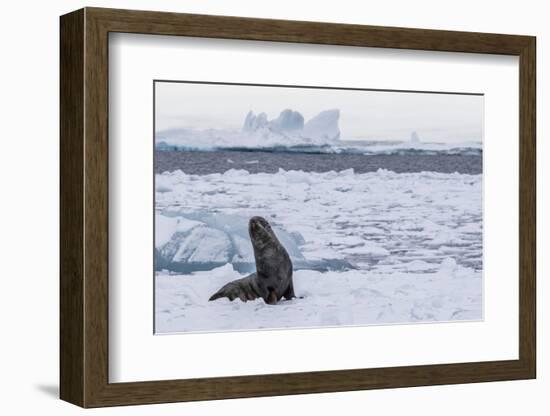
[352, 297]
[370, 248]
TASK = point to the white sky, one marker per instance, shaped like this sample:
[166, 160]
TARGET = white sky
[363, 114]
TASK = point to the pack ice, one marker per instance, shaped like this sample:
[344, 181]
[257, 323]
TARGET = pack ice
[370, 248]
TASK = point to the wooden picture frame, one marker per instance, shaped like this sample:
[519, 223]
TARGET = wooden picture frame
[84, 207]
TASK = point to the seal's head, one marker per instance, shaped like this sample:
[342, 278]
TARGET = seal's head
[261, 233]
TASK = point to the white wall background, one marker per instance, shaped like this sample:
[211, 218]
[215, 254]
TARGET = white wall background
[29, 206]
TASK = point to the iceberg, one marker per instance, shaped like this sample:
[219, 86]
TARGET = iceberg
[290, 132]
[323, 128]
[286, 131]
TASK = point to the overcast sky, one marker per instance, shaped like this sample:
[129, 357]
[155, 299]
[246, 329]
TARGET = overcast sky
[363, 114]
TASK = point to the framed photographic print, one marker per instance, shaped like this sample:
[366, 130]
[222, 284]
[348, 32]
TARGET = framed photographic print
[255, 207]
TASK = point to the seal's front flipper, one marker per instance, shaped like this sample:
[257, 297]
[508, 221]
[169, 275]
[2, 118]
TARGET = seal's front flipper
[271, 298]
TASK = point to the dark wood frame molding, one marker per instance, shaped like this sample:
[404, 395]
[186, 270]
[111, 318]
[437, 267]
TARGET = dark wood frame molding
[84, 207]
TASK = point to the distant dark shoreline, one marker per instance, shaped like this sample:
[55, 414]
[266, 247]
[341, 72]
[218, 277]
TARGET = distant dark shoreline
[203, 163]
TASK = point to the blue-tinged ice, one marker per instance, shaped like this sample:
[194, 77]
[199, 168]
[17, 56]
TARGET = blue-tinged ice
[188, 242]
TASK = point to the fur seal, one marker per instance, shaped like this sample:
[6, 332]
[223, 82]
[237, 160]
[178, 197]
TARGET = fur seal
[273, 278]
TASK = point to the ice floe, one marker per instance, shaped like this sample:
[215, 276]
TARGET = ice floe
[370, 248]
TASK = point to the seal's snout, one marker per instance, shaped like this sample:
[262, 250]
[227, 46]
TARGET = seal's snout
[252, 226]
[257, 220]
[257, 223]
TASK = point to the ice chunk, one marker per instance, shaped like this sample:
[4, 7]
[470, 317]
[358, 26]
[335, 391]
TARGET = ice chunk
[368, 249]
[162, 184]
[235, 172]
[297, 176]
[419, 266]
[165, 227]
[297, 237]
[446, 238]
[244, 252]
[448, 265]
[347, 172]
[204, 245]
[185, 225]
[202, 241]
[414, 137]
